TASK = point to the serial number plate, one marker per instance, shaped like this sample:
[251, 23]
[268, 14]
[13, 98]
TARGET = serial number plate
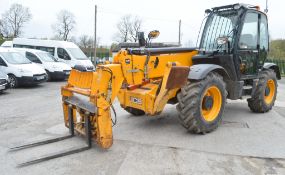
[67, 73]
[136, 100]
[2, 87]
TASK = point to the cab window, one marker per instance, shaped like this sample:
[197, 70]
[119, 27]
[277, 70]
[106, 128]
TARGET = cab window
[263, 33]
[46, 49]
[62, 54]
[249, 34]
[32, 57]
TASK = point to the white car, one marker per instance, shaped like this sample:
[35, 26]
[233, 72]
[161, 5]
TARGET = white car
[55, 70]
[19, 69]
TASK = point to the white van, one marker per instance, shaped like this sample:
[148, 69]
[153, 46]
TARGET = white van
[64, 51]
[55, 70]
[19, 69]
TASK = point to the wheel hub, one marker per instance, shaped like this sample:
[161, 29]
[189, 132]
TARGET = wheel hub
[207, 102]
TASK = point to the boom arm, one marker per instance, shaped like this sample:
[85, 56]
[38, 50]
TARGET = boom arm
[150, 81]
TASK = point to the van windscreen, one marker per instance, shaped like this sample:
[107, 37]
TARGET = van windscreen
[77, 53]
[15, 58]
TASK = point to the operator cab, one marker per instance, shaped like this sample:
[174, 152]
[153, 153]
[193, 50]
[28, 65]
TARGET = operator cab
[236, 38]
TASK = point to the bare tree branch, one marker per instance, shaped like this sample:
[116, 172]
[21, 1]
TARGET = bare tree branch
[13, 20]
[65, 25]
[85, 41]
[128, 27]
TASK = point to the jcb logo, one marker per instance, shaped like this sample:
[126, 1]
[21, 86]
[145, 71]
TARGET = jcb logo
[136, 100]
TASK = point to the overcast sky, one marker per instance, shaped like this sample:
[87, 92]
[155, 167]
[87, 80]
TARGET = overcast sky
[162, 15]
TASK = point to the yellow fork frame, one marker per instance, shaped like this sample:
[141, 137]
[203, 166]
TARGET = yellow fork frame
[95, 86]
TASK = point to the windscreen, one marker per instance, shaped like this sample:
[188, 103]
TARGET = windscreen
[46, 57]
[15, 58]
[77, 53]
[219, 24]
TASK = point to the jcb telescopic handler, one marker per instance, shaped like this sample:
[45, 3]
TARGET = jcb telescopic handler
[229, 64]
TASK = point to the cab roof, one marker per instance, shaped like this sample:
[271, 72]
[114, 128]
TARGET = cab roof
[236, 6]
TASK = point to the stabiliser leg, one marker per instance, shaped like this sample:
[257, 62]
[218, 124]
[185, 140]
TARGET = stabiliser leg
[63, 153]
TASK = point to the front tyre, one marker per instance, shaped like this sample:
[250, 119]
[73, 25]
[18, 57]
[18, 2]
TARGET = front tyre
[265, 93]
[48, 75]
[13, 81]
[201, 104]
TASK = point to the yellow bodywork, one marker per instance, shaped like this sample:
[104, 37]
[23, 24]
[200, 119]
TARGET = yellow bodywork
[136, 84]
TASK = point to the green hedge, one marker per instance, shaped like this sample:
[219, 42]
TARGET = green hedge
[280, 63]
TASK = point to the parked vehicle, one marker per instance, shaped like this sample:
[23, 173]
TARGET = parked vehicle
[64, 51]
[55, 70]
[4, 82]
[7, 44]
[19, 69]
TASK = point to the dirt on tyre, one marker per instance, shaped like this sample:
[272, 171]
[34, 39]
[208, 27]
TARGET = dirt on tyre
[265, 94]
[201, 104]
[134, 111]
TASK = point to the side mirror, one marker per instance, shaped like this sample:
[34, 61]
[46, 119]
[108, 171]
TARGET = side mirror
[153, 34]
[222, 40]
[141, 39]
[208, 11]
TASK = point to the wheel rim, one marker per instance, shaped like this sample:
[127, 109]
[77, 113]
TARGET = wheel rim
[269, 91]
[12, 82]
[211, 103]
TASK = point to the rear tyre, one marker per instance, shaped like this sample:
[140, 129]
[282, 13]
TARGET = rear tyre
[13, 81]
[201, 104]
[265, 94]
[134, 111]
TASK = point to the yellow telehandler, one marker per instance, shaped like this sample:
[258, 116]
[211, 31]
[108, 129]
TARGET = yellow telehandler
[228, 64]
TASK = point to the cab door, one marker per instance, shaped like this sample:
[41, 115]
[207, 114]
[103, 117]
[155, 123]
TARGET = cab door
[253, 45]
[248, 51]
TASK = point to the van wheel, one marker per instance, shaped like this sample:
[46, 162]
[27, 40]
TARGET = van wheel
[13, 81]
[48, 75]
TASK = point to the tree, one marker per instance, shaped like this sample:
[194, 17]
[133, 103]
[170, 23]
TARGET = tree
[85, 41]
[65, 25]
[128, 26]
[135, 27]
[277, 49]
[14, 19]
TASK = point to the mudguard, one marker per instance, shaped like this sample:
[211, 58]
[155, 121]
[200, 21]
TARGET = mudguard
[200, 71]
[273, 67]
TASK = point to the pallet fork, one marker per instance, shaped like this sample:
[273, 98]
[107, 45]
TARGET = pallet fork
[87, 126]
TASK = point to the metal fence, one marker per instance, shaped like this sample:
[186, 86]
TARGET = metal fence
[280, 63]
